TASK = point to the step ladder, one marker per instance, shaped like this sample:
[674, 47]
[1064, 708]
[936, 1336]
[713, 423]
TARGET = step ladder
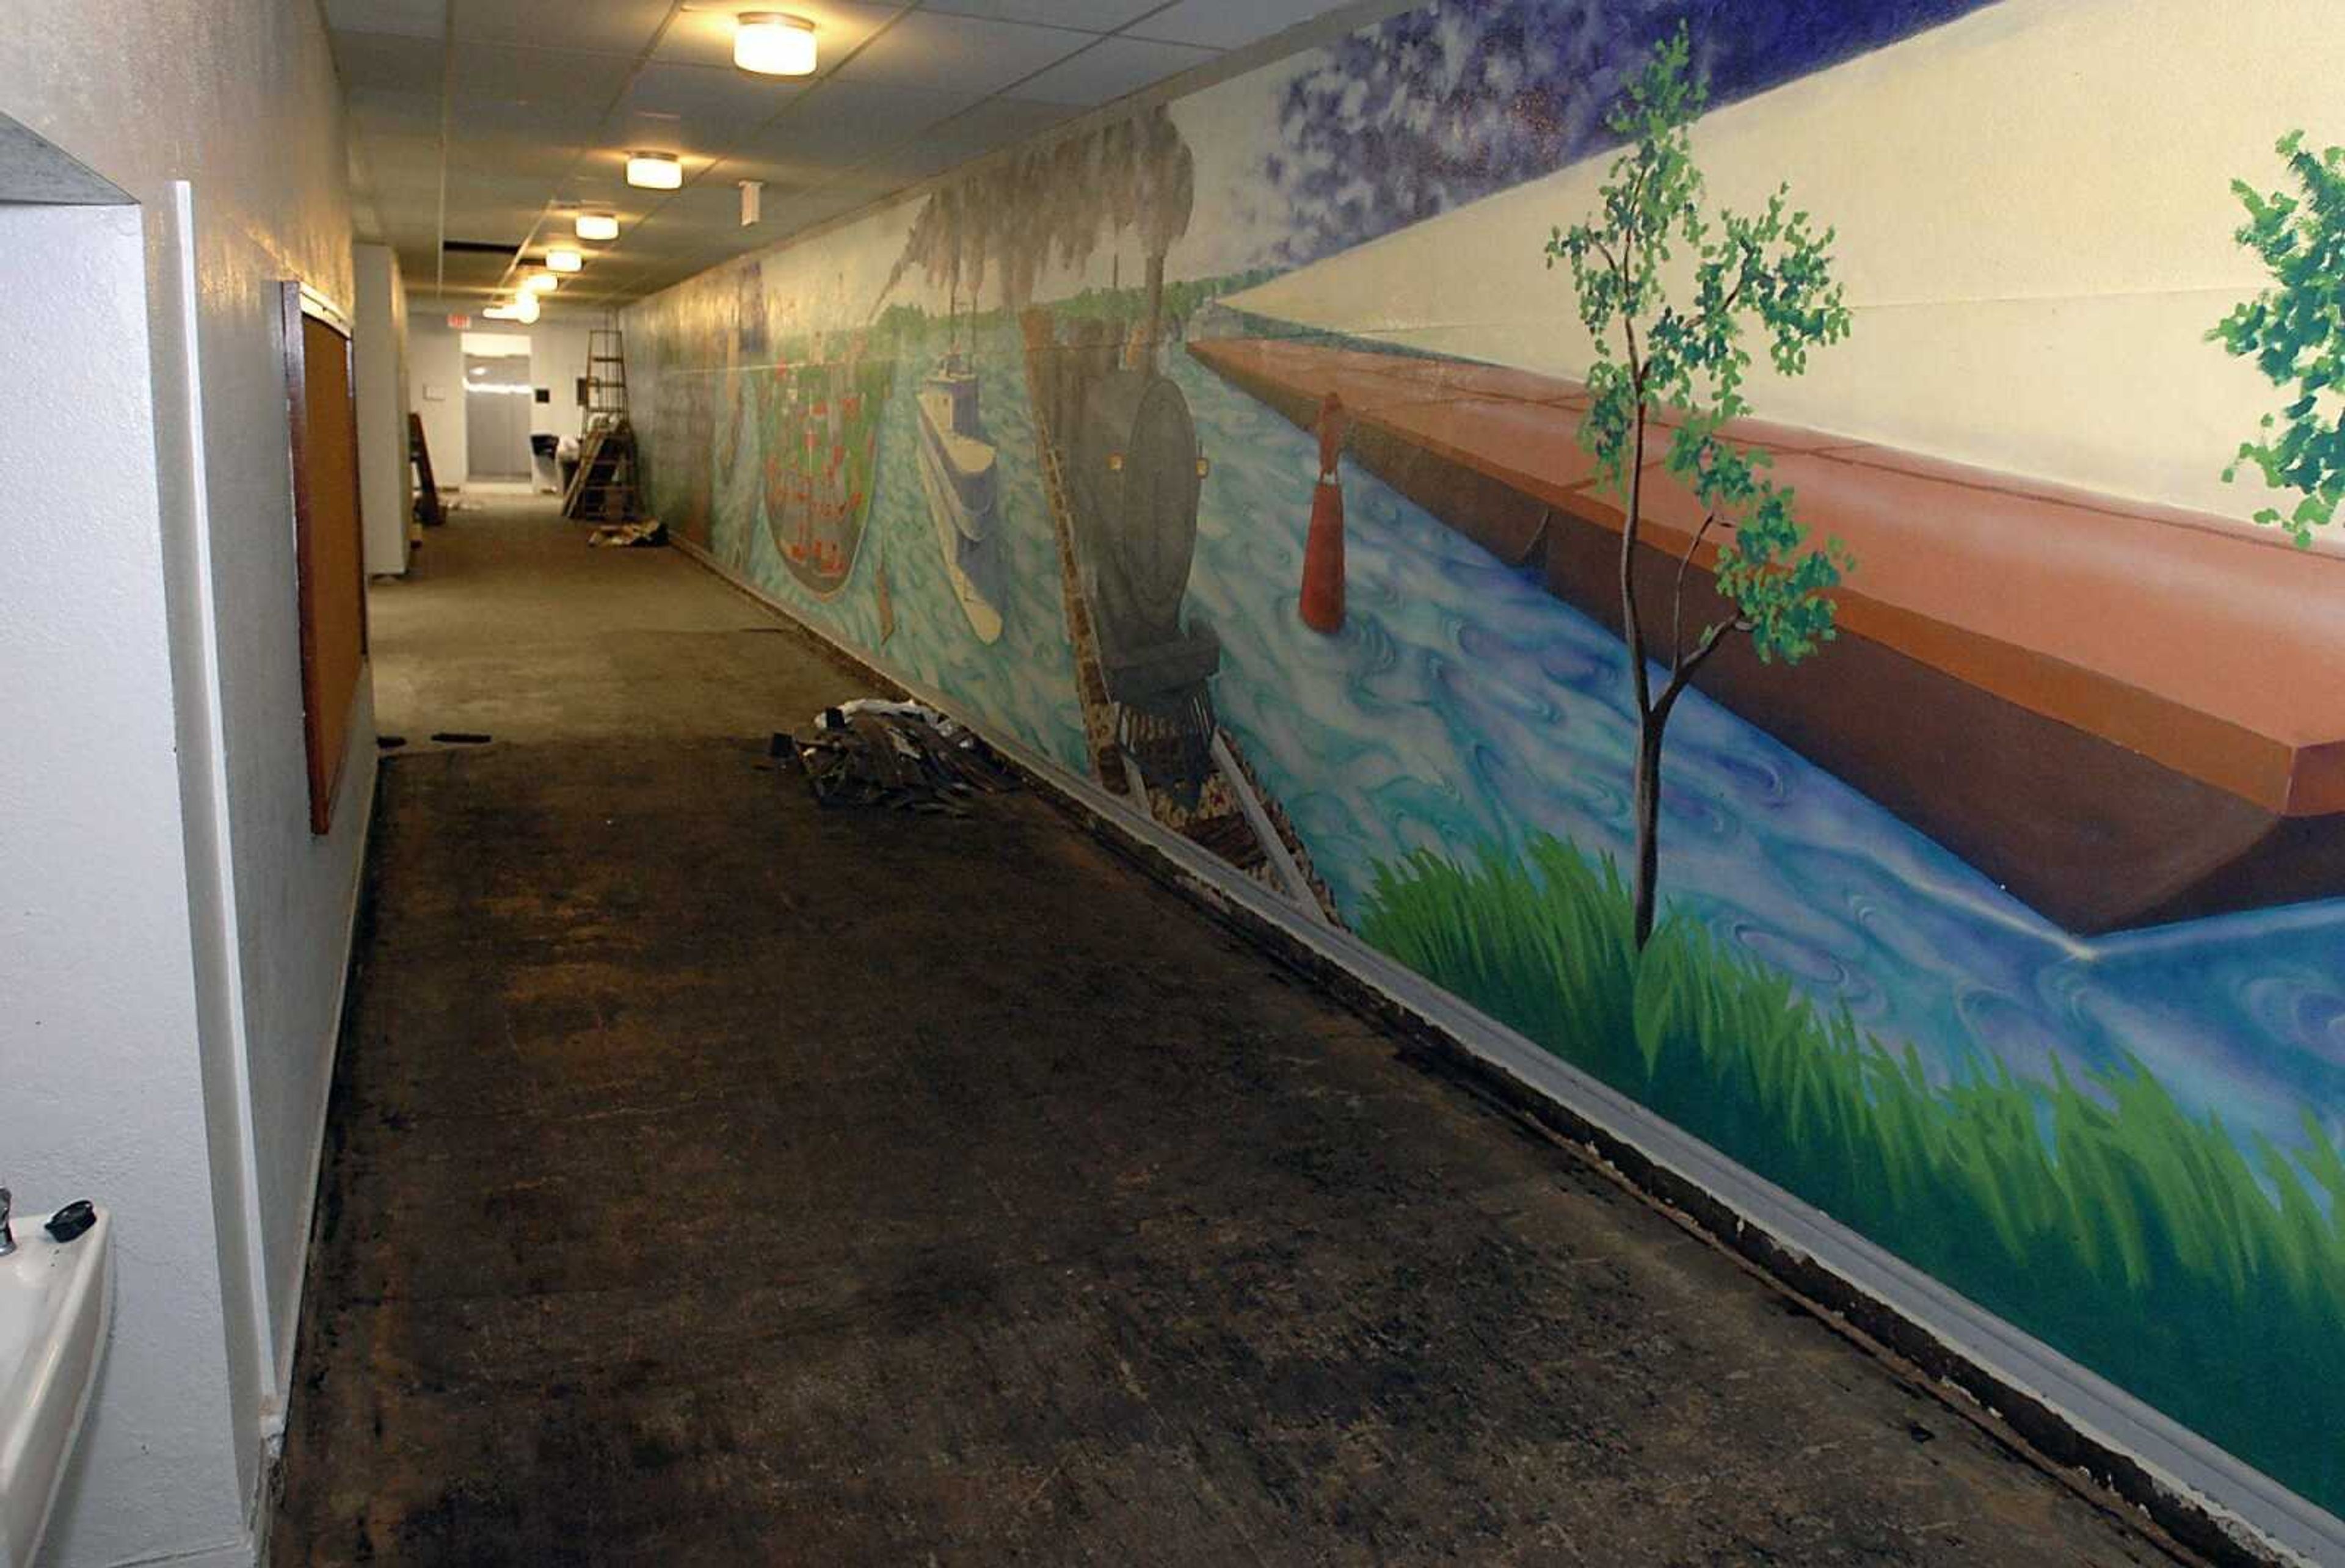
[606, 376]
[605, 488]
[428, 509]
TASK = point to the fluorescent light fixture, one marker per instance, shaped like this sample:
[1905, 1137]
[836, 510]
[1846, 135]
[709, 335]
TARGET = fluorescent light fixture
[773, 44]
[655, 171]
[541, 283]
[507, 312]
[526, 308]
[564, 259]
[598, 226]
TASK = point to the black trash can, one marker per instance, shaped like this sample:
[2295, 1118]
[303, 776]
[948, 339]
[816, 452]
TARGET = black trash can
[541, 451]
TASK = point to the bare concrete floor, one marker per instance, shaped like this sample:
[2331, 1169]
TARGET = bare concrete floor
[714, 1180]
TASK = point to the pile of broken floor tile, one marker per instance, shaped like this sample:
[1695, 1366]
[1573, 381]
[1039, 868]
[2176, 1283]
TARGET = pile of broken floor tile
[895, 755]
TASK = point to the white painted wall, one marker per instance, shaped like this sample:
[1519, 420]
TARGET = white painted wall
[557, 358]
[380, 349]
[239, 98]
[2033, 202]
[99, 1006]
[435, 356]
[435, 363]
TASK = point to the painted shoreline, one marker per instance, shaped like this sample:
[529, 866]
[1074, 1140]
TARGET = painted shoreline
[2156, 788]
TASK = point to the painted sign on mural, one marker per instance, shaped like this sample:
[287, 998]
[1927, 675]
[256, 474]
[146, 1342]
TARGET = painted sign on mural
[1964, 851]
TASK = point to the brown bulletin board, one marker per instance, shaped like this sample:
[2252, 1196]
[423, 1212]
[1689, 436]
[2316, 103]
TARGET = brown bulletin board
[330, 569]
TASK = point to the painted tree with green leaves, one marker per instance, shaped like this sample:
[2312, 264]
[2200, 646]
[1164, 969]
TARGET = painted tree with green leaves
[1666, 291]
[2295, 332]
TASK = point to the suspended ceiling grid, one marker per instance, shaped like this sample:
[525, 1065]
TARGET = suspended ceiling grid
[477, 126]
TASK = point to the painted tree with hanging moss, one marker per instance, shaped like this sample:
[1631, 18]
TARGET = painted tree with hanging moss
[1666, 291]
[2295, 333]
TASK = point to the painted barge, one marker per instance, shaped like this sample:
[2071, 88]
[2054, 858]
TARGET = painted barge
[2127, 715]
[821, 465]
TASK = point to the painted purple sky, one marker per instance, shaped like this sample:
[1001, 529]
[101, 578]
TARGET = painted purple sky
[1462, 98]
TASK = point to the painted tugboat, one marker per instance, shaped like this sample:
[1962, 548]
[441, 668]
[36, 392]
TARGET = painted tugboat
[958, 471]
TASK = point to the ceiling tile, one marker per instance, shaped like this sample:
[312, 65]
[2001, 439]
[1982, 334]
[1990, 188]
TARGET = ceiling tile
[786, 178]
[380, 111]
[511, 163]
[713, 108]
[993, 124]
[415, 18]
[414, 157]
[843, 122]
[486, 125]
[702, 35]
[388, 62]
[701, 207]
[480, 189]
[1091, 15]
[615, 27]
[1230, 23]
[508, 71]
[931, 50]
[1110, 68]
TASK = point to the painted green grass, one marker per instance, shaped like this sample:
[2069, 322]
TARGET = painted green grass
[2096, 1214]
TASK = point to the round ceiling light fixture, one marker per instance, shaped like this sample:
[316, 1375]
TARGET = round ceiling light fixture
[655, 171]
[598, 226]
[773, 44]
[565, 258]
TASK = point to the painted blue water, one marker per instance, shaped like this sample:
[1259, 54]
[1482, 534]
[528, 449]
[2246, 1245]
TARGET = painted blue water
[1463, 706]
[1023, 685]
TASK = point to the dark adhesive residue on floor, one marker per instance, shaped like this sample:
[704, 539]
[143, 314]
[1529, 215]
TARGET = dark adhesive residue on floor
[715, 1179]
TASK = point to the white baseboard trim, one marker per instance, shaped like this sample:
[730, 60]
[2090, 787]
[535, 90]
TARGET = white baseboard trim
[2189, 1484]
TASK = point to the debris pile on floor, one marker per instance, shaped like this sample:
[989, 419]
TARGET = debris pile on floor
[900, 754]
[647, 534]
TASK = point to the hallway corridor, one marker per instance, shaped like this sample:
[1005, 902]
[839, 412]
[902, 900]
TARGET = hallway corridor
[714, 1180]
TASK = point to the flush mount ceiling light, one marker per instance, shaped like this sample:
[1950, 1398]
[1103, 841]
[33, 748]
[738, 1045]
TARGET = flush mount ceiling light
[526, 308]
[773, 44]
[598, 226]
[565, 258]
[655, 171]
[541, 283]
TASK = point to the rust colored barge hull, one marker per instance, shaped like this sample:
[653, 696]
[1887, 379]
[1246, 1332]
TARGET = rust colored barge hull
[2126, 714]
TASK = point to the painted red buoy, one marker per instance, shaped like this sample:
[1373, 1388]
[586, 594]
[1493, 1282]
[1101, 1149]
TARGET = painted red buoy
[1323, 548]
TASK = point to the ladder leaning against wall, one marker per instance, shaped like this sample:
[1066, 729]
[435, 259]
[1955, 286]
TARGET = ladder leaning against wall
[603, 489]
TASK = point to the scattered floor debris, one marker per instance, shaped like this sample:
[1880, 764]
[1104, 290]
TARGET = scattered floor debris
[906, 755]
[644, 533]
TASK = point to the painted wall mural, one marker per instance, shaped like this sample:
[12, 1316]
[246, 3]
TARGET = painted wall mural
[1299, 460]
